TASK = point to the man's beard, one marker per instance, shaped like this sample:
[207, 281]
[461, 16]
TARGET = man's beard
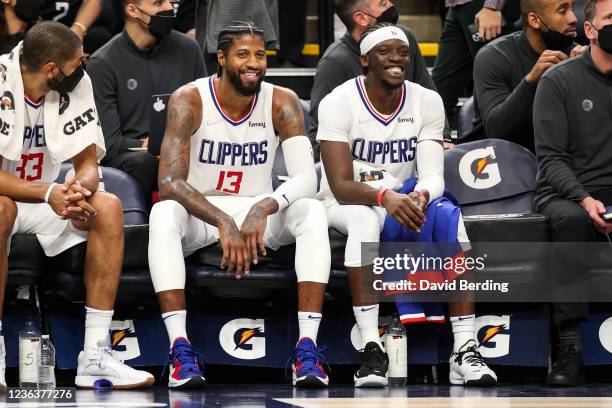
[239, 85]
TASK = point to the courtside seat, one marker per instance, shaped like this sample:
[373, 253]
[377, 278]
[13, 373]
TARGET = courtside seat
[274, 272]
[494, 182]
[465, 119]
[26, 261]
[66, 269]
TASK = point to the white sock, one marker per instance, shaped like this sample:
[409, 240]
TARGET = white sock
[308, 323]
[367, 323]
[463, 330]
[97, 326]
[0, 327]
[176, 324]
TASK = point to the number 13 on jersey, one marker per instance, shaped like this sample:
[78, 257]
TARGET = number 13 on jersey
[229, 182]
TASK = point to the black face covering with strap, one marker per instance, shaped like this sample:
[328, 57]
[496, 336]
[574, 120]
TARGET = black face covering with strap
[554, 40]
[604, 38]
[161, 23]
[69, 82]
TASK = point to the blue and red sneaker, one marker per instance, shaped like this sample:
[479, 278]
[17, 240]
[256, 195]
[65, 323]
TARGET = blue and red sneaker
[306, 364]
[186, 366]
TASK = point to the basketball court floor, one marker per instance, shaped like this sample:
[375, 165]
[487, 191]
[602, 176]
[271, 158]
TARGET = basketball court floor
[284, 396]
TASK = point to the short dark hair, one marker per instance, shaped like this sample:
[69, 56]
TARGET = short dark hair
[345, 10]
[589, 10]
[373, 28]
[233, 31]
[527, 6]
[48, 41]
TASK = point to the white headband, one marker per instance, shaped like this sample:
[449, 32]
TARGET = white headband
[380, 35]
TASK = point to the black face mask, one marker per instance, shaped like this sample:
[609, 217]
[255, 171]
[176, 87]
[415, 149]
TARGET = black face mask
[161, 23]
[555, 40]
[29, 10]
[390, 15]
[604, 38]
[69, 82]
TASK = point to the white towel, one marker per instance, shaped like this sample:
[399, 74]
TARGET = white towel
[71, 120]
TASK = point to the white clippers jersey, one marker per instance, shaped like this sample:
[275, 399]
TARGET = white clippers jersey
[233, 156]
[383, 142]
[35, 164]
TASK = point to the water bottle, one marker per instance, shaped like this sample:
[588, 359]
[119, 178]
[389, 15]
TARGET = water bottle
[29, 349]
[397, 349]
[46, 366]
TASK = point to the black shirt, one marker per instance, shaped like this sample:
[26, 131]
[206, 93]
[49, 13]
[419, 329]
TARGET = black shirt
[124, 78]
[503, 99]
[10, 42]
[341, 62]
[573, 131]
[63, 11]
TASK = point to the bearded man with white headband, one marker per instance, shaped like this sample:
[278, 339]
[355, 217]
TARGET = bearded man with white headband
[375, 131]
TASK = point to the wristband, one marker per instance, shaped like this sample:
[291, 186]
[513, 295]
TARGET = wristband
[81, 26]
[48, 193]
[380, 195]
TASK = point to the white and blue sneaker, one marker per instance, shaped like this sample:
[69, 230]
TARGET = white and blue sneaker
[307, 366]
[186, 366]
[99, 369]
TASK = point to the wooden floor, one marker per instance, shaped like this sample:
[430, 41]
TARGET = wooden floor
[529, 395]
[449, 402]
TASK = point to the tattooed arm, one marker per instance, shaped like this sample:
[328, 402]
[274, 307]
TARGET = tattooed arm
[184, 118]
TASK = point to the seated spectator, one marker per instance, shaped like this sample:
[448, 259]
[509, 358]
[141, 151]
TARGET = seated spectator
[341, 60]
[79, 15]
[146, 59]
[459, 44]
[507, 71]
[17, 17]
[572, 125]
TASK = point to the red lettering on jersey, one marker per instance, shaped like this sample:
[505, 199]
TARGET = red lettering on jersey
[234, 185]
[37, 166]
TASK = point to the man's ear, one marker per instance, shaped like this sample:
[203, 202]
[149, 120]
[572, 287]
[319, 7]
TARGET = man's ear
[589, 30]
[49, 69]
[364, 61]
[131, 10]
[220, 58]
[533, 20]
[360, 19]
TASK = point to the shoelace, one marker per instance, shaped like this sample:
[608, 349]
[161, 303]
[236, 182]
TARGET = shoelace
[105, 354]
[474, 358]
[307, 355]
[185, 354]
[371, 360]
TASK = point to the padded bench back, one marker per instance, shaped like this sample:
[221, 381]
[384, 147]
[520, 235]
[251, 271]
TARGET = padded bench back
[491, 176]
[123, 186]
[465, 120]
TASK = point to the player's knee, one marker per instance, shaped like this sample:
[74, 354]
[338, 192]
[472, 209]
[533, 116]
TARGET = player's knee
[8, 214]
[313, 213]
[163, 219]
[108, 206]
[363, 224]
